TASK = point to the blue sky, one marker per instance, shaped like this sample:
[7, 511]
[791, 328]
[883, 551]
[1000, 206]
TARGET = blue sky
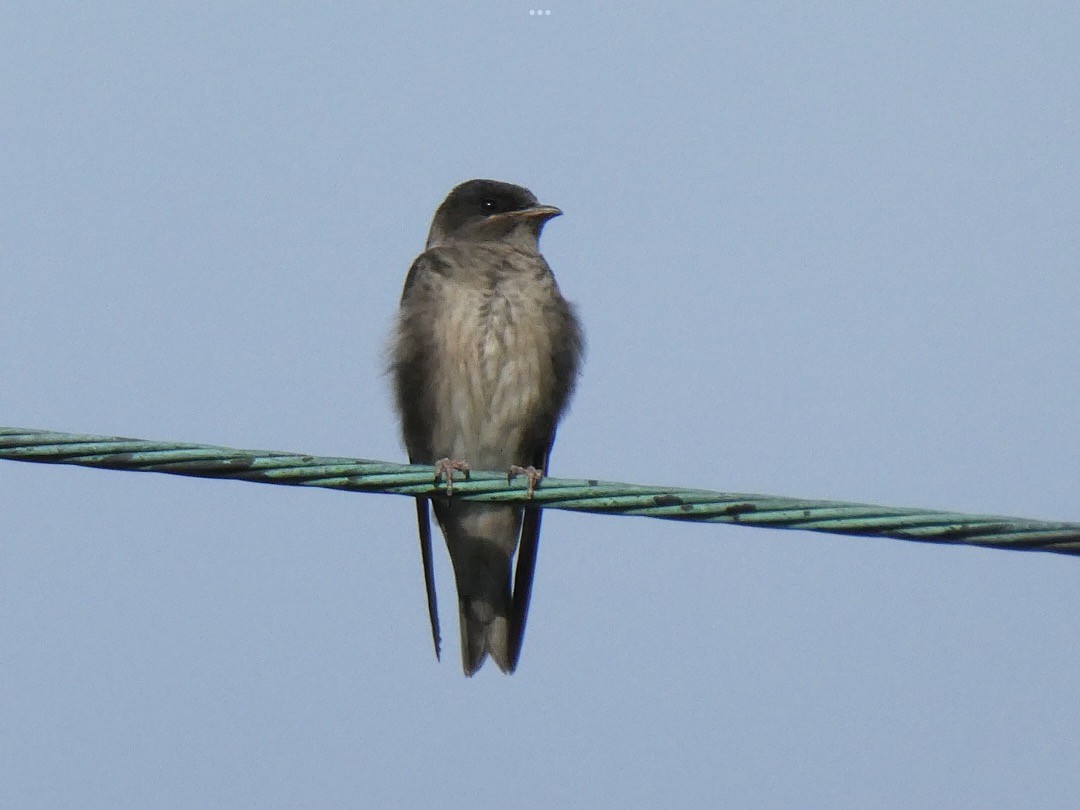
[818, 251]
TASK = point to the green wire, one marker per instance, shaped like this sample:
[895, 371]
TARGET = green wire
[668, 503]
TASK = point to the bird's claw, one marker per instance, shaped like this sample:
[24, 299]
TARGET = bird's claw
[445, 469]
[532, 476]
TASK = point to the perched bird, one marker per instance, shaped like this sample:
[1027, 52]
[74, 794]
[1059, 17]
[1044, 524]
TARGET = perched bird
[484, 358]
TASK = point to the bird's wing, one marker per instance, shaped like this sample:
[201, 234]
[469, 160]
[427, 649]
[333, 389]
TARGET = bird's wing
[526, 562]
[427, 261]
[411, 373]
[566, 360]
[424, 525]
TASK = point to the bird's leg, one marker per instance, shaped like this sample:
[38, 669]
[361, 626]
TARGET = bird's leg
[444, 471]
[531, 474]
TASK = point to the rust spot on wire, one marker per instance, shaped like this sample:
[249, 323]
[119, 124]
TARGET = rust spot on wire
[668, 500]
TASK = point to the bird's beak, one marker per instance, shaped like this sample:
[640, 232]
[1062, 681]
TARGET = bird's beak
[540, 212]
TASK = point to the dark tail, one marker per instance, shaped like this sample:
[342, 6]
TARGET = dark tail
[485, 630]
[481, 539]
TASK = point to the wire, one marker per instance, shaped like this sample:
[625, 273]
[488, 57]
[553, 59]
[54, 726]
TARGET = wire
[668, 503]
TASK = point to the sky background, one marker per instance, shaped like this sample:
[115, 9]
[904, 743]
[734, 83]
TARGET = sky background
[819, 251]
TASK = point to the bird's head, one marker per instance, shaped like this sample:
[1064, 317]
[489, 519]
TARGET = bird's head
[486, 210]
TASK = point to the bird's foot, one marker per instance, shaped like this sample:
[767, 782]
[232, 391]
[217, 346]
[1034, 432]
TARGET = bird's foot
[445, 469]
[531, 474]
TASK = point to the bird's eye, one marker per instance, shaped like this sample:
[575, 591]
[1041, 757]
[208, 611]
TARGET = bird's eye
[489, 206]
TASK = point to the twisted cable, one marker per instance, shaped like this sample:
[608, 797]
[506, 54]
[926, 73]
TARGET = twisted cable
[605, 497]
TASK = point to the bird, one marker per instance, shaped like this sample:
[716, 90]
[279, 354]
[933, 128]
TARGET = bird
[484, 356]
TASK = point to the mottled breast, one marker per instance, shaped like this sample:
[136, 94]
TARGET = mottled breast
[494, 333]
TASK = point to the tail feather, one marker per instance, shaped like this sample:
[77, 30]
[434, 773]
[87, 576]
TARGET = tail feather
[484, 631]
[481, 539]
